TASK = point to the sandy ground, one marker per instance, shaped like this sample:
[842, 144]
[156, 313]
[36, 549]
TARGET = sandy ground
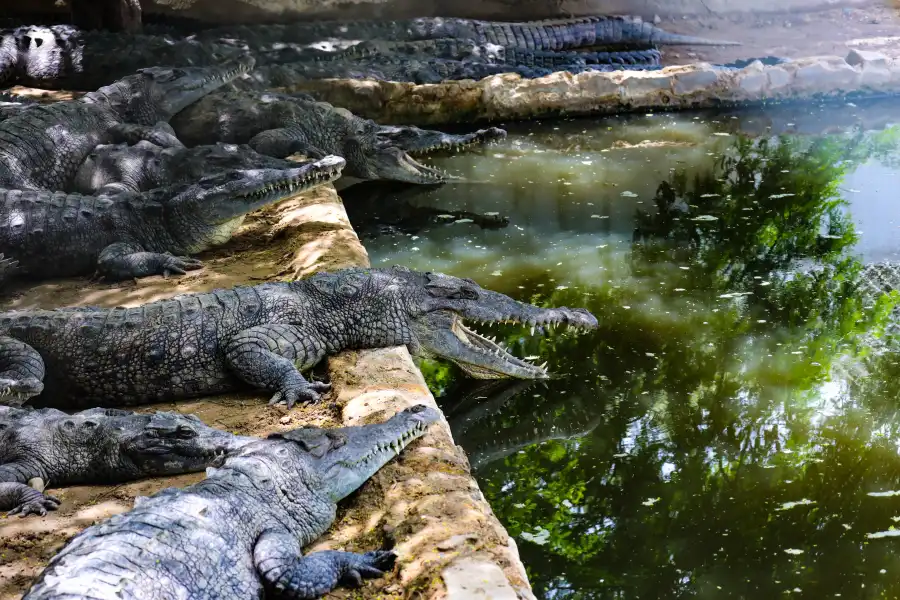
[299, 236]
[828, 32]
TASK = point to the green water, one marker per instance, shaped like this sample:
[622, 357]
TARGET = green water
[721, 435]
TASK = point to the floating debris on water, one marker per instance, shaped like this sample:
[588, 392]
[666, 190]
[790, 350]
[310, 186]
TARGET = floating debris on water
[884, 494]
[790, 505]
[650, 501]
[883, 534]
[794, 551]
[705, 218]
[628, 194]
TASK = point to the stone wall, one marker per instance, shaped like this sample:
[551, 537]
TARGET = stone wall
[695, 86]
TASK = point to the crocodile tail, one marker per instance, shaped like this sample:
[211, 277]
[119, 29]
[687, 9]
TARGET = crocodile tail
[8, 267]
[630, 30]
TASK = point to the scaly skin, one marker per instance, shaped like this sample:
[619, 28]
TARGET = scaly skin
[261, 336]
[280, 125]
[144, 166]
[428, 71]
[239, 533]
[98, 446]
[42, 148]
[65, 57]
[551, 34]
[468, 50]
[130, 234]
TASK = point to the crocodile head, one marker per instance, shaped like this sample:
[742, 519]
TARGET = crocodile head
[167, 443]
[159, 93]
[347, 457]
[419, 142]
[222, 200]
[427, 312]
[380, 161]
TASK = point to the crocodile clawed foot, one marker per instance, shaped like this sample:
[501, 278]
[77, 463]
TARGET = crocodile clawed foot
[310, 392]
[179, 265]
[36, 504]
[15, 392]
[368, 566]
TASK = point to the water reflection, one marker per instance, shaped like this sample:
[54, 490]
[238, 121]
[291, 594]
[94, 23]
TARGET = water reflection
[722, 433]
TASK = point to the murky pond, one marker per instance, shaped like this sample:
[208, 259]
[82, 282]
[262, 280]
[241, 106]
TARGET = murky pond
[732, 428]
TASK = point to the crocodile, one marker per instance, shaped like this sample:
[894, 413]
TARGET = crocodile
[42, 147]
[240, 532]
[128, 235]
[495, 420]
[64, 57]
[145, 166]
[257, 337]
[98, 446]
[282, 124]
[550, 34]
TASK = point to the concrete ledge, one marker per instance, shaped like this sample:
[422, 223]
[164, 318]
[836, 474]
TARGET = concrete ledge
[700, 85]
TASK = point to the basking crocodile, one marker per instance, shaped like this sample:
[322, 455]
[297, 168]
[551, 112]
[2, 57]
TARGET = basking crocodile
[65, 57]
[42, 147]
[240, 532]
[550, 34]
[128, 234]
[98, 446]
[203, 344]
[144, 166]
[280, 125]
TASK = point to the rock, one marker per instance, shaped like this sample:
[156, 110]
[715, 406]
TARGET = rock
[824, 75]
[656, 20]
[788, 24]
[867, 58]
[285, 420]
[456, 541]
[472, 579]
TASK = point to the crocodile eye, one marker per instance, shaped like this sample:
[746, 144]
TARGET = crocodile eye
[90, 424]
[185, 432]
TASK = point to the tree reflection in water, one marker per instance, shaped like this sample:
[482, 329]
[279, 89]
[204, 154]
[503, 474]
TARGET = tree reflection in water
[700, 444]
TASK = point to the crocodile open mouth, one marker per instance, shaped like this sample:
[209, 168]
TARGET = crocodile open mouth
[490, 360]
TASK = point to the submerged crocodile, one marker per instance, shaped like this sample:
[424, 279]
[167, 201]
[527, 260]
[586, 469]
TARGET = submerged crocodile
[98, 446]
[240, 532]
[281, 124]
[262, 336]
[42, 147]
[495, 420]
[128, 234]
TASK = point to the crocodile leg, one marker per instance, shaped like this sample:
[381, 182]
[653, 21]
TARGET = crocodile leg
[264, 356]
[127, 261]
[160, 134]
[280, 563]
[21, 372]
[22, 500]
[283, 142]
[8, 267]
